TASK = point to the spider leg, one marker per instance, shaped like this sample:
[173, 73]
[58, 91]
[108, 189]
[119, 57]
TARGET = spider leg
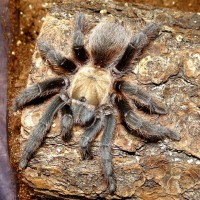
[56, 59]
[41, 129]
[141, 98]
[88, 136]
[136, 45]
[79, 50]
[143, 128]
[66, 123]
[104, 118]
[42, 89]
[106, 142]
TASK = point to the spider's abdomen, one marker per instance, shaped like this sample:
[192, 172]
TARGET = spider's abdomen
[91, 85]
[107, 41]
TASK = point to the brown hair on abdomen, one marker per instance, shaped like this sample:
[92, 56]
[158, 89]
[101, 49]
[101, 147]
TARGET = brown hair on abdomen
[107, 42]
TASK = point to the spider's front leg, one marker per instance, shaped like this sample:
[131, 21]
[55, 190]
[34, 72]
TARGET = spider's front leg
[42, 128]
[143, 128]
[141, 98]
[136, 45]
[42, 89]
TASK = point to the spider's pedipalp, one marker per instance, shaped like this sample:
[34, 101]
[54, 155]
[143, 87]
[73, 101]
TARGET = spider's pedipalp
[66, 123]
[57, 60]
[40, 130]
[143, 128]
[82, 113]
[88, 136]
[106, 142]
[78, 47]
[141, 98]
[42, 89]
[136, 45]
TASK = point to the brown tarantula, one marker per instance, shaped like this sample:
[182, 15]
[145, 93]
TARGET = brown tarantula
[94, 87]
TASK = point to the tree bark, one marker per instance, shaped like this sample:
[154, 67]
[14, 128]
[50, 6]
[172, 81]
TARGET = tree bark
[169, 68]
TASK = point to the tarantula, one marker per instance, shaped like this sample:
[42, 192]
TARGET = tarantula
[94, 86]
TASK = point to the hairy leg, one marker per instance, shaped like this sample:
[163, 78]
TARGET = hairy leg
[88, 136]
[106, 142]
[57, 60]
[136, 45]
[66, 123]
[141, 98]
[143, 128]
[45, 88]
[79, 50]
[41, 130]
[82, 113]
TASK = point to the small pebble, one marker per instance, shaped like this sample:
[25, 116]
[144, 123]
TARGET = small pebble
[19, 42]
[43, 18]
[137, 158]
[126, 4]
[30, 7]
[190, 161]
[197, 162]
[45, 5]
[104, 11]
[179, 38]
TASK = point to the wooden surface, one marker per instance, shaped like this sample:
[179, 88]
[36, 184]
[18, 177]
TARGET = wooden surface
[169, 69]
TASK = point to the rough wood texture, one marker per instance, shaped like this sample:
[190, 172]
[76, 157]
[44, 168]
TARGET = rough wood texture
[168, 68]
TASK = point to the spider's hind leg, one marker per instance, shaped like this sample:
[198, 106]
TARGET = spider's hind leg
[55, 58]
[143, 128]
[141, 98]
[41, 130]
[136, 45]
[80, 53]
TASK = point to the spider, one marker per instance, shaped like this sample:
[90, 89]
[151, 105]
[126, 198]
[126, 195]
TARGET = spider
[94, 91]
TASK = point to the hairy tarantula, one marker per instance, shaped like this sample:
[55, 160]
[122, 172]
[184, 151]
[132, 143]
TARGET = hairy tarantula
[95, 85]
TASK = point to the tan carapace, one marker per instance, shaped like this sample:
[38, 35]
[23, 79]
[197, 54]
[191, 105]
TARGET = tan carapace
[92, 85]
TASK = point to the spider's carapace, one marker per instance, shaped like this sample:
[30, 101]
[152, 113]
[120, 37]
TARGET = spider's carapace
[91, 85]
